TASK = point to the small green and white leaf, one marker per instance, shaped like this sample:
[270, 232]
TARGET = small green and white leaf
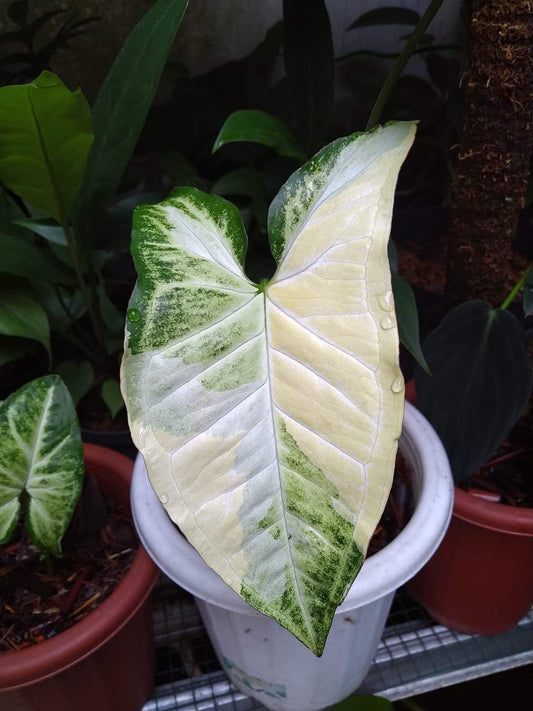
[21, 315]
[269, 415]
[259, 127]
[77, 376]
[41, 462]
[112, 397]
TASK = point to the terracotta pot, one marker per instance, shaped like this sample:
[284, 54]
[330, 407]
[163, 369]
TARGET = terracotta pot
[106, 661]
[480, 580]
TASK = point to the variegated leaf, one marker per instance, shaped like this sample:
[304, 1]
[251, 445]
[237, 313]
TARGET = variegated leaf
[41, 461]
[269, 415]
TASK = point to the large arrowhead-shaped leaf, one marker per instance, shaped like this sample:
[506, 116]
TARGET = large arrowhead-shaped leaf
[41, 461]
[269, 416]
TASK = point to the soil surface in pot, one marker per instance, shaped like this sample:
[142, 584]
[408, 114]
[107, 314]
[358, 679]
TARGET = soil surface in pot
[507, 478]
[40, 597]
[398, 508]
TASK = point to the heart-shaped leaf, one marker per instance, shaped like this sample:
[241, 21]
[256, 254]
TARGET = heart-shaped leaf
[480, 381]
[269, 415]
[41, 461]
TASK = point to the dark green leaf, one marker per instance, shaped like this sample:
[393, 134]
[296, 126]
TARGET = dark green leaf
[393, 256]
[112, 397]
[44, 227]
[41, 461]
[528, 294]
[407, 316]
[363, 703]
[13, 348]
[309, 63]
[21, 315]
[480, 382]
[387, 16]
[115, 229]
[22, 258]
[45, 137]
[77, 376]
[10, 212]
[259, 127]
[248, 183]
[63, 307]
[121, 108]
[111, 316]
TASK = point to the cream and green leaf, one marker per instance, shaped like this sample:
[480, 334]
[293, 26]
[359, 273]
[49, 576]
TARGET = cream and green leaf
[41, 462]
[268, 415]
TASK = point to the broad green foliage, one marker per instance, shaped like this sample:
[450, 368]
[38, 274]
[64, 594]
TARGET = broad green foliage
[121, 108]
[269, 415]
[45, 137]
[41, 462]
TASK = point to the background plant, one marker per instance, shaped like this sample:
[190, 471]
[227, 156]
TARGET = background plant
[65, 163]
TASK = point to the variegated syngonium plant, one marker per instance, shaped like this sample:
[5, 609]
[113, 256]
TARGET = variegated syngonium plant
[41, 462]
[268, 415]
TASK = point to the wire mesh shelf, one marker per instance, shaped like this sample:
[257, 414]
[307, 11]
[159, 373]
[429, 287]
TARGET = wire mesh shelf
[415, 655]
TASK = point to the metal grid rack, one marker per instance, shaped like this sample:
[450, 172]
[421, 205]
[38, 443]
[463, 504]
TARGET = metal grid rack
[415, 655]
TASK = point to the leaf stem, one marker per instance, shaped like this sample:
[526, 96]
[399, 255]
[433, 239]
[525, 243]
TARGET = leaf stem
[516, 288]
[400, 63]
[86, 293]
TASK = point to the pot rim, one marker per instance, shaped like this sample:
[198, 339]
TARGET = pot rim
[381, 574]
[492, 515]
[46, 659]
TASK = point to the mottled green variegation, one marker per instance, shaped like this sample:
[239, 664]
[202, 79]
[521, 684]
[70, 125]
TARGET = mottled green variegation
[268, 416]
[41, 462]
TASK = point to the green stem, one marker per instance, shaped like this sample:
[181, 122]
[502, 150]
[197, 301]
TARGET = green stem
[516, 288]
[400, 63]
[87, 295]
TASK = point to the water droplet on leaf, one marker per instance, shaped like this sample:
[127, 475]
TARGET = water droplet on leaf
[133, 315]
[385, 301]
[397, 385]
[163, 498]
[387, 322]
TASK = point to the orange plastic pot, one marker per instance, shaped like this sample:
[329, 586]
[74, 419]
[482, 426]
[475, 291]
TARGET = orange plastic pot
[480, 580]
[106, 661]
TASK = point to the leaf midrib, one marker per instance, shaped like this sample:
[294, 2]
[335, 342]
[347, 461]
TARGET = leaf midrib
[303, 606]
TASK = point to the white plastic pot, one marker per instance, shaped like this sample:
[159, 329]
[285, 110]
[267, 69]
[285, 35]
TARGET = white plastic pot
[262, 659]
